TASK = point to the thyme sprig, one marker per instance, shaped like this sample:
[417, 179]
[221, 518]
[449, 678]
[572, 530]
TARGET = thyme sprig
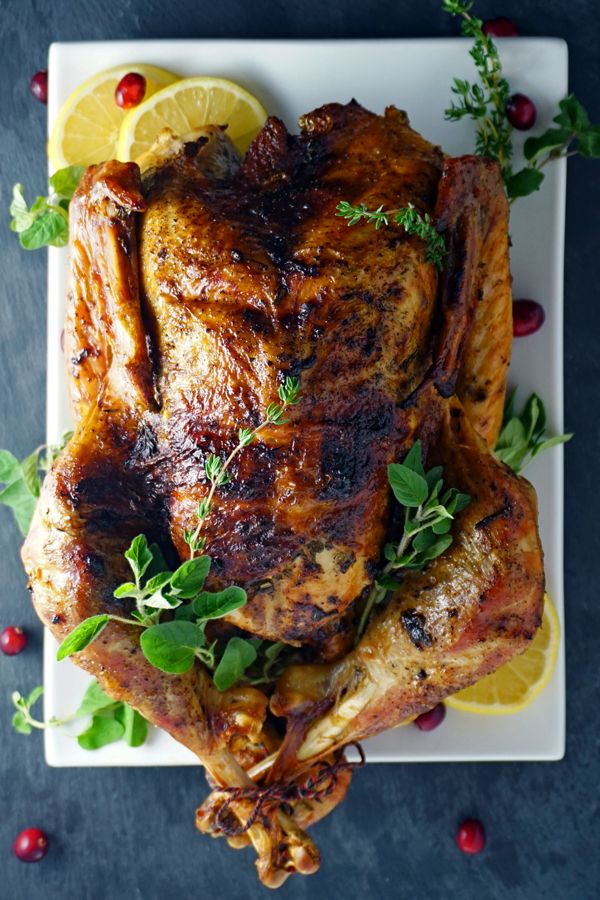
[427, 519]
[408, 217]
[485, 103]
[216, 469]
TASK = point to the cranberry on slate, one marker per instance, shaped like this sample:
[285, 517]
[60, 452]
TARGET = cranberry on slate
[521, 112]
[528, 317]
[500, 27]
[471, 836]
[12, 641]
[39, 86]
[31, 845]
[130, 90]
[431, 719]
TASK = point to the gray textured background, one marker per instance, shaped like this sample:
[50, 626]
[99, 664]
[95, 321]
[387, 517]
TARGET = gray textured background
[120, 834]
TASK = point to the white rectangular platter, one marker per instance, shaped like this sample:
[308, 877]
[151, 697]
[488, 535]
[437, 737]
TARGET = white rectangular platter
[291, 78]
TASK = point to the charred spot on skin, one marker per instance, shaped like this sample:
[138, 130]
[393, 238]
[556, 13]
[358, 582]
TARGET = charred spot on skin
[94, 565]
[414, 625]
[452, 613]
[57, 620]
[192, 148]
[501, 513]
[344, 561]
[422, 674]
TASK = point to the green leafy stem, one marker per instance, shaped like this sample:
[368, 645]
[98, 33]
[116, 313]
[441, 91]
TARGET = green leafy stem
[23, 481]
[486, 102]
[46, 222]
[523, 437]
[427, 519]
[111, 719]
[174, 645]
[408, 217]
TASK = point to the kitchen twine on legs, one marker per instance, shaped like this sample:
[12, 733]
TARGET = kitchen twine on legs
[281, 793]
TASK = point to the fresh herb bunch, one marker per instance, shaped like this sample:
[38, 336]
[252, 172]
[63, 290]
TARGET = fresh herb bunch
[427, 519]
[523, 437]
[111, 719]
[487, 107]
[173, 646]
[23, 481]
[47, 220]
[411, 220]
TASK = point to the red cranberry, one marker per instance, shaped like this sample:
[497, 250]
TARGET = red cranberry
[528, 317]
[521, 112]
[500, 27]
[130, 90]
[31, 845]
[12, 641]
[431, 719]
[471, 836]
[39, 86]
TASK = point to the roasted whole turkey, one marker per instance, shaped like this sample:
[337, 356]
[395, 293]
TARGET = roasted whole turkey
[197, 282]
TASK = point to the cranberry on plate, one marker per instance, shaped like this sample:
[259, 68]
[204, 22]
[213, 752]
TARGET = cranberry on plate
[31, 845]
[528, 317]
[500, 27]
[431, 719]
[39, 86]
[471, 836]
[521, 112]
[130, 90]
[12, 641]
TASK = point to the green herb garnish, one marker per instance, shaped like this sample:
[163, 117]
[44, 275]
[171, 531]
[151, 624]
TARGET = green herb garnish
[47, 220]
[485, 103]
[23, 481]
[427, 520]
[111, 719]
[411, 220]
[173, 646]
[523, 437]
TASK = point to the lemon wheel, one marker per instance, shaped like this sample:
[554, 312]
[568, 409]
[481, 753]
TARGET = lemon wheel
[189, 104]
[515, 685]
[88, 126]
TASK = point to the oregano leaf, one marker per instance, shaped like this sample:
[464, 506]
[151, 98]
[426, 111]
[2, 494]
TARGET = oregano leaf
[80, 637]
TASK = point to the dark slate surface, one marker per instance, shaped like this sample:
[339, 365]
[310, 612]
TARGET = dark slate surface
[125, 834]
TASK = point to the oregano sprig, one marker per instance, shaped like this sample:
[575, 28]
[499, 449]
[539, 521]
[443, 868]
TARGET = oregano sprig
[23, 480]
[523, 437]
[408, 217]
[428, 516]
[174, 645]
[111, 719]
[46, 222]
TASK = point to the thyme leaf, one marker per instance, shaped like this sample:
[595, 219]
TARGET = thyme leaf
[408, 217]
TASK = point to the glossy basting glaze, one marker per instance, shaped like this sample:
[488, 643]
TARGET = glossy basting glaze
[192, 293]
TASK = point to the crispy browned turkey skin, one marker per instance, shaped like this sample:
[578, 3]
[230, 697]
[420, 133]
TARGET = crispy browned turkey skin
[192, 294]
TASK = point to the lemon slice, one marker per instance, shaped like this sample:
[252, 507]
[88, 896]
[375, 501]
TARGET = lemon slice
[189, 104]
[88, 125]
[515, 685]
